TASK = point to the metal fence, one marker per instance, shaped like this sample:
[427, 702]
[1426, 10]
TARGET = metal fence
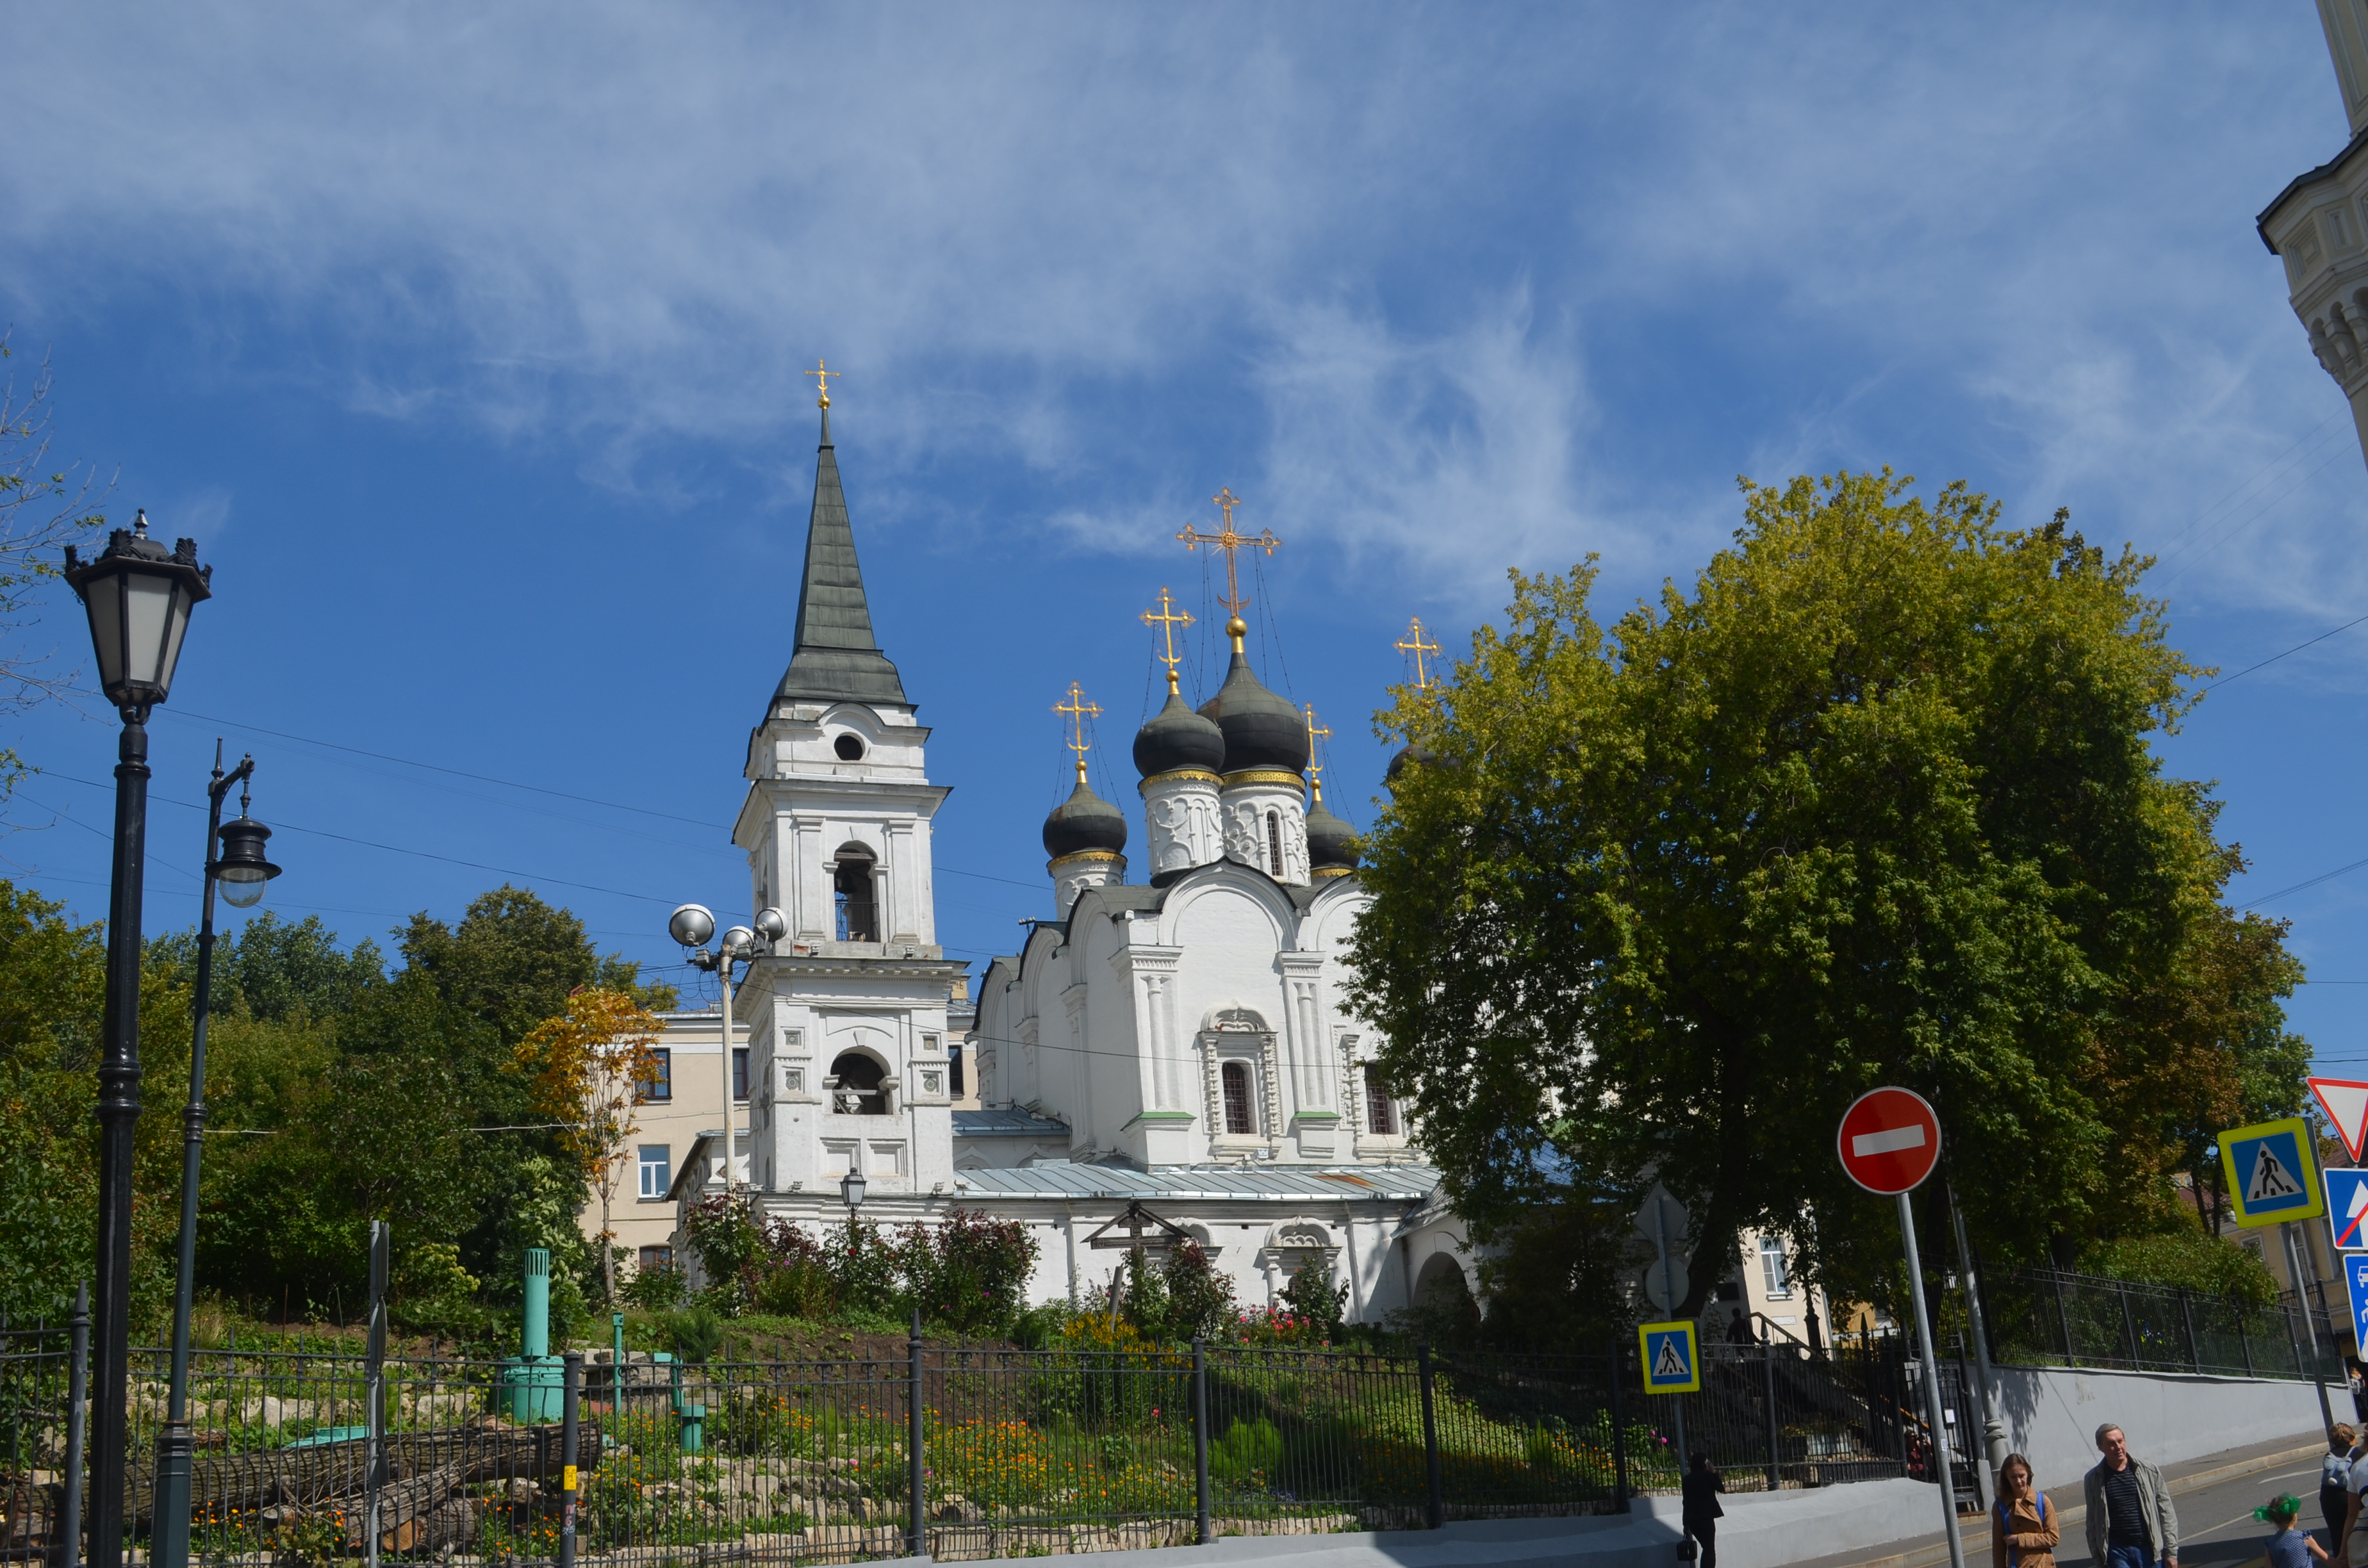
[2043, 1317]
[964, 1453]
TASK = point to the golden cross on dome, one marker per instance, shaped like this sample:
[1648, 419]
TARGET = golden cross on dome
[822, 382]
[1230, 540]
[1168, 619]
[1316, 733]
[1079, 711]
[1415, 645]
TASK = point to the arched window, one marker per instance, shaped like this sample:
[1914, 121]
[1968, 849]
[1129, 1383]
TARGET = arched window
[1380, 1116]
[1274, 842]
[851, 892]
[1235, 1078]
[859, 1091]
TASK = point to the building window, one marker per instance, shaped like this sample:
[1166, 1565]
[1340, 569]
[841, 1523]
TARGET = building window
[659, 1085]
[1773, 1271]
[1274, 842]
[1235, 1078]
[855, 1087]
[851, 883]
[658, 1257]
[657, 1169]
[957, 1054]
[1381, 1117]
[739, 1072]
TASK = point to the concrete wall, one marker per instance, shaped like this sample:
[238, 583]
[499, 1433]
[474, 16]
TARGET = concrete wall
[2052, 1414]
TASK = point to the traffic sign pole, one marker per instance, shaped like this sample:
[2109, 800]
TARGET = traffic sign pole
[1932, 1385]
[2302, 1297]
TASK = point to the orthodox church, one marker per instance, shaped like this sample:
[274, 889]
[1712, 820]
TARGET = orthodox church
[1164, 1058]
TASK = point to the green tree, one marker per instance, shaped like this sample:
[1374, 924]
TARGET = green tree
[275, 969]
[1875, 802]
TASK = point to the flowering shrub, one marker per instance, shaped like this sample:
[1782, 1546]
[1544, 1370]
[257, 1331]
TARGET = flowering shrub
[967, 1272]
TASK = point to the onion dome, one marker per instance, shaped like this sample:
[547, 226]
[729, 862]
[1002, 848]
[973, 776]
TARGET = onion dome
[1407, 756]
[1177, 737]
[1083, 822]
[1331, 842]
[1261, 730]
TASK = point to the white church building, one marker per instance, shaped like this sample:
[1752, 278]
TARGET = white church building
[1177, 1049]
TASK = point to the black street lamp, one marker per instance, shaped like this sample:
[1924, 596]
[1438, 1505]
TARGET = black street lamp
[137, 596]
[241, 871]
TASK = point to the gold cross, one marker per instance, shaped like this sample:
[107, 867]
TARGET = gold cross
[1079, 711]
[1168, 619]
[821, 382]
[1230, 541]
[1315, 757]
[1418, 647]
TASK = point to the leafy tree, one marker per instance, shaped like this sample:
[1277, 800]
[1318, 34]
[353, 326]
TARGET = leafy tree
[273, 969]
[584, 1066]
[1875, 802]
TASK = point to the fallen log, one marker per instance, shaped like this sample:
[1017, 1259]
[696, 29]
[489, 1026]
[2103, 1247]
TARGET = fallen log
[402, 1505]
[221, 1483]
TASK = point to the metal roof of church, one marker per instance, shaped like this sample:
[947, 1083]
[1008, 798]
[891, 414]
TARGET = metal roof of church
[1006, 1124]
[836, 658]
[1408, 1184]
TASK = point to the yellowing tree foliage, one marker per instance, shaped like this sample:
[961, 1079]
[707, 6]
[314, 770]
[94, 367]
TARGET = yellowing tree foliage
[585, 1067]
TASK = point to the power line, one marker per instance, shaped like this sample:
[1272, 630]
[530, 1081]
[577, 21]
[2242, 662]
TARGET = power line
[2298, 887]
[2273, 658]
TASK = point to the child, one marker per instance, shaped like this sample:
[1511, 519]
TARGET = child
[2335, 1473]
[2289, 1548]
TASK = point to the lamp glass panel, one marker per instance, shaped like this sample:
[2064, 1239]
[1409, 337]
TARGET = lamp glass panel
[177, 626]
[147, 624]
[242, 888]
[105, 607]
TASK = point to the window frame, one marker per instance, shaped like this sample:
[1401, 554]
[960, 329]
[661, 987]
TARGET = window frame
[739, 1074]
[1775, 1269]
[1230, 1072]
[644, 1164]
[1378, 1097]
[658, 1088]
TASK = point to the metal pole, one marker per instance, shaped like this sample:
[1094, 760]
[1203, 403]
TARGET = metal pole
[1931, 1386]
[1993, 1439]
[2071, 1357]
[118, 1111]
[2317, 1368]
[169, 1534]
[1434, 1506]
[571, 1392]
[2187, 1316]
[1775, 1442]
[77, 1394]
[1618, 1435]
[374, 1381]
[918, 1529]
[1206, 1526]
[724, 973]
[1677, 1403]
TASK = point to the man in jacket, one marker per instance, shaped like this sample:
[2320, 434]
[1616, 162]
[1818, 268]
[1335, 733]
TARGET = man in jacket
[2131, 1521]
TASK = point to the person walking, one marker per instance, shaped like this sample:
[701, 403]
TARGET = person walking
[2023, 1526]
[1699, 1510]
[2131, 1522]
[2334, 1474]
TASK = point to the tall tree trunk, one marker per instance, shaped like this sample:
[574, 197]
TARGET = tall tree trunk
[608, 1251]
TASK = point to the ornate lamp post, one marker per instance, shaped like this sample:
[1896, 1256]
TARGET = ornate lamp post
[138, 596]
[241, 871]
[692, 925]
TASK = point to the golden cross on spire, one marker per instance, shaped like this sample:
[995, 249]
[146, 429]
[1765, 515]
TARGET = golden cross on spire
[1316, 733]
[1229, 540]
[1079, 711]
[822, 382]
[1415, 645]
[1168, 619]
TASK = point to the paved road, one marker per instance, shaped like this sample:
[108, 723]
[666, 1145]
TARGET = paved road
[2216, 1525]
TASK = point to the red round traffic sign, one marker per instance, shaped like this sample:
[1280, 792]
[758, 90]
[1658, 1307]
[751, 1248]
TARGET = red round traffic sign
[1889, 1140]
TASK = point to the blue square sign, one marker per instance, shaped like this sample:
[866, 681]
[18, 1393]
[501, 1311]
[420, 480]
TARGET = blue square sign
[2271, 1174]
[2355, 1274]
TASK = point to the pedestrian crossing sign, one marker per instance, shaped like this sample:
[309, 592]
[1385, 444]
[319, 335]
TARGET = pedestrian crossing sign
[2272, 1177]
[1672, 1362]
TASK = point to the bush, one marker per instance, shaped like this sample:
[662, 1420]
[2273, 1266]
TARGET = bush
[1311, 1295]
[2209, 1265]
[654, 1288]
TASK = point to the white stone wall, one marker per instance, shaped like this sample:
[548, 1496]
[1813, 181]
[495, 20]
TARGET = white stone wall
[1262, 814]
[1181, 828]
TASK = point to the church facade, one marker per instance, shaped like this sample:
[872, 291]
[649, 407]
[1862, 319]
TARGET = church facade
[1174, 1050]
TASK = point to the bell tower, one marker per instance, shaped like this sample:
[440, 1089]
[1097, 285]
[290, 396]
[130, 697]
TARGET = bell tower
[849, 1066]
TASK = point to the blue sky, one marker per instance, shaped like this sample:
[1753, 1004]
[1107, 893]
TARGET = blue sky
[467, 346]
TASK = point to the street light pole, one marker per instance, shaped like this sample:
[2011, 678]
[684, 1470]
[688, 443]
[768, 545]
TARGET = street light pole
[241, 871]
[692, 924]
[137, 596]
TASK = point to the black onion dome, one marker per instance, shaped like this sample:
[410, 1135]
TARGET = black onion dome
[1084, 821]
[1407, 755]
[1331, 842]
[1260, 729]
[1177, 737]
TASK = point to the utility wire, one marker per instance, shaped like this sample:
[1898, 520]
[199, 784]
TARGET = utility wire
[2273, 658]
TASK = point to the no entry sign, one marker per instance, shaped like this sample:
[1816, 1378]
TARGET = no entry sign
[1889, 1140]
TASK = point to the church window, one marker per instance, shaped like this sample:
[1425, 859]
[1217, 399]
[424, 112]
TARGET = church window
[848, 747]
[957, 1054]
[859, 1091]
[1381, 1117]
[851, 883]
[1274, 842]
[659, 1085]
[1235, 1078]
